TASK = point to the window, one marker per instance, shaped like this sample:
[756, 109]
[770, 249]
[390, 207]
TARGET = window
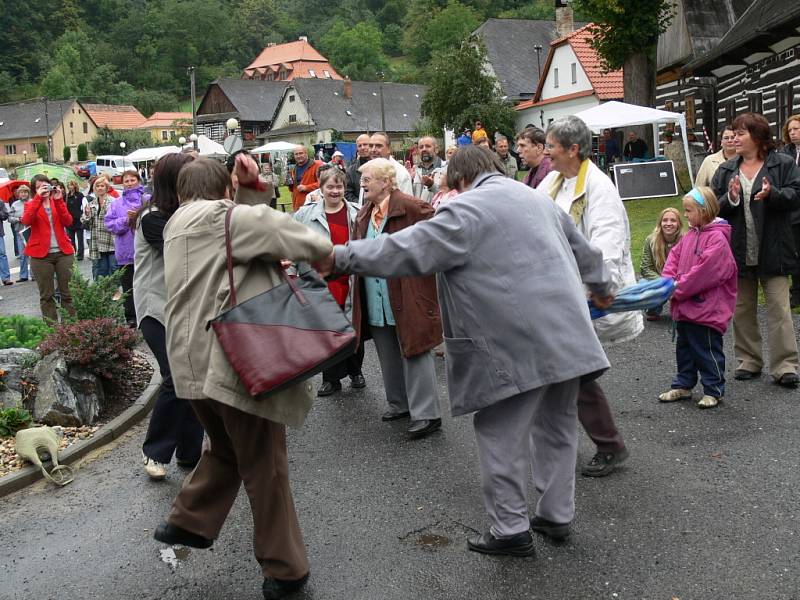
[783, 106]
[291, 97]
[164, 135]
[172, 134]
[85, 127]
[555, 77]
[312, 73]
[281, 74]
[689, 111]
[71, 125]
[755, 102]
[292, 118]
[574, 68]
[326, 73]
[11, 148]
[669, 105]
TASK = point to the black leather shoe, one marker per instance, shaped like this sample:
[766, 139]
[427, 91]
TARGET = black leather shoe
[174, 535]
[745, 375]
[555, 531]
[327, 389]
[357, 382]
[392, 415]
[421, 428]
[278, 588]
[517, 545]
[604, 463]
[788, 380]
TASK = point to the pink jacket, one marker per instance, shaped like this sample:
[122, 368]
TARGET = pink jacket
[705, 272]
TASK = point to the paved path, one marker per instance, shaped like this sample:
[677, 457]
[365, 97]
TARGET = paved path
[706, 508]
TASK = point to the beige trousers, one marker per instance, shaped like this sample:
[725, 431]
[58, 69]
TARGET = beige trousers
[781, 341]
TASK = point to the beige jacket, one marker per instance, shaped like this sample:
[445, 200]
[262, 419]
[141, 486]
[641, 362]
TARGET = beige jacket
[709, 168]
[197, 291]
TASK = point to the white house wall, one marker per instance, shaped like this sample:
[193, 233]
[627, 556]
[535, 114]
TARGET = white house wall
[563, 59]
[541, 116]
[288, 108]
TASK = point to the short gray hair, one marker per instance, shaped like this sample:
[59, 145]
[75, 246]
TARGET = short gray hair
[572, 130]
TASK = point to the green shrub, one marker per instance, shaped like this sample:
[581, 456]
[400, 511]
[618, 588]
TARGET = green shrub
[17, 331]
[12, 420]
[67, 154]
[94, 299]
[83, 152]
[101, 346]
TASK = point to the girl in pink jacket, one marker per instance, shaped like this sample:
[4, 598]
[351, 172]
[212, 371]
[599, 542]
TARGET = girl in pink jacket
[705, 273]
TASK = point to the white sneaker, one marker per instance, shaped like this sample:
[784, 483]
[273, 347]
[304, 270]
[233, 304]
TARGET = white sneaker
[708, 401]
[155, 470]
[675, 394]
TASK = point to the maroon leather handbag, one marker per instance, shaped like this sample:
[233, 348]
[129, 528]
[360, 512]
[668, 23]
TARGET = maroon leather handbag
[284, 335]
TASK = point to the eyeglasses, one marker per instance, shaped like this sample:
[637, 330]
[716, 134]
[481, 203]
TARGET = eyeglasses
[550, 146]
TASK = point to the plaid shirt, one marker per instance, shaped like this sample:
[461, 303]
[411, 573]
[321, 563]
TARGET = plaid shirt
[102, 239]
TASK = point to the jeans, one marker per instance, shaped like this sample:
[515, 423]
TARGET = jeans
[5, 272]
[105, 265]
[24, 259]
[76, 237]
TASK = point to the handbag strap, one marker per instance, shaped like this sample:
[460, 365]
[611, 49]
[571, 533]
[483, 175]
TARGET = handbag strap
[229, 264]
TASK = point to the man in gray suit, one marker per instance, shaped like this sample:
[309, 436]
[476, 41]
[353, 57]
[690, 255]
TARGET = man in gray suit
[517, 334]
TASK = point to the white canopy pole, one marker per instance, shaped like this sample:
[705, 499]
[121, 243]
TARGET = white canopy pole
[685, 136]
[655, 140]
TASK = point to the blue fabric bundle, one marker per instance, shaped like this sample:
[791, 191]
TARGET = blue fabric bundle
[644, 294]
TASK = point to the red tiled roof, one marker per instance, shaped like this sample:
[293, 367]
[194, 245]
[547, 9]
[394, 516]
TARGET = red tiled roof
[531, 103]
[165, 119]
[115, 116]
[607, 86]
[296, 58]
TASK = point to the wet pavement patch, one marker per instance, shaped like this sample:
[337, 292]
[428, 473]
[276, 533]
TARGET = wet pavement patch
[173, 555]
[432, 541]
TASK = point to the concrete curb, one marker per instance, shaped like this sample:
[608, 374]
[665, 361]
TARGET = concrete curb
[106, 434]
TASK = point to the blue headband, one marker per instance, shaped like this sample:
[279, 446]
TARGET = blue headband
[698, 197]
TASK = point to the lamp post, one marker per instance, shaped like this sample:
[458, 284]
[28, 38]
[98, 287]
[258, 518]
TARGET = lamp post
[193, 139]
[24, 157]
[124, 154]
[538, 49]
[181, 141]
[232, 125]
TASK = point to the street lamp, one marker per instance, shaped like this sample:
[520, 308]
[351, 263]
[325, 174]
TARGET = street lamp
[25, 157]
[232, 124]
[193, 139]
[538, 49]
[181, 141]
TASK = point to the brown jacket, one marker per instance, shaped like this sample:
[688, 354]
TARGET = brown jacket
[310, 180]
[413, 299]
[198, 290]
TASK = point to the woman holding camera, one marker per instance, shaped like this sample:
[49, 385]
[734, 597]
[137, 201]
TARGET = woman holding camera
[49, 247]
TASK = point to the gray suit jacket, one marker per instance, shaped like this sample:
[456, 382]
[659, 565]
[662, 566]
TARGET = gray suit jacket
[510, 266]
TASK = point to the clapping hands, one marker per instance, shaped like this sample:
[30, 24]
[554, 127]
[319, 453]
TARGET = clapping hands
[765, 191]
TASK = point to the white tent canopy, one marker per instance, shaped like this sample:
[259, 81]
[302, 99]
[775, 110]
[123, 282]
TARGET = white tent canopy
[274, 147]
[148, 154]
[613, 114]
[208, 148]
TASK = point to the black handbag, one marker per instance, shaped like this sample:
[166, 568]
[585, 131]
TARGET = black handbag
[284, 335]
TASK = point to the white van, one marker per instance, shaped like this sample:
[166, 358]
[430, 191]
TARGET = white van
[113, 165]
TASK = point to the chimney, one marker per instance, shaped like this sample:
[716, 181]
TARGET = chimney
[303, 38]
[565, 23]
[348, 88]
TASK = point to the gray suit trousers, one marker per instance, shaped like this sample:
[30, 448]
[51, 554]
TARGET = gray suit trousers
[410, 383]
[533, 432]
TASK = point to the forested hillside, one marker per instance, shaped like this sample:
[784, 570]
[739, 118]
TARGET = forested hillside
[137, 51]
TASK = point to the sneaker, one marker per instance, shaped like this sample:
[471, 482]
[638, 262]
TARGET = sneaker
[708, 401]
[675, 394]
[155, 470]
[555, 531]
[604, 463]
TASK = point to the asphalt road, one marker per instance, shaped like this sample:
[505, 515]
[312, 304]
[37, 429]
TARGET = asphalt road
[705, 508]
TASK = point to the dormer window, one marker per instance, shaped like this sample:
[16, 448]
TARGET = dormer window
[312, 73]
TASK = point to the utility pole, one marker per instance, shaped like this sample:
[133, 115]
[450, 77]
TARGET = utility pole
[383, 110]
[538, 49]
[47, 129]
[194, 111]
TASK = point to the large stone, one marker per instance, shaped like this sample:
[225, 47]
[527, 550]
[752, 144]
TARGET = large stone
[66, 396]
[12, 361]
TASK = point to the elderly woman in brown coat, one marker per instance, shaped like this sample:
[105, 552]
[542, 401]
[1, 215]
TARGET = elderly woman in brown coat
[400, 314]
[247, 437]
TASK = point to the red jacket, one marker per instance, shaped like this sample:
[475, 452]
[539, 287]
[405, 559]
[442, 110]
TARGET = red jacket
[38, 245]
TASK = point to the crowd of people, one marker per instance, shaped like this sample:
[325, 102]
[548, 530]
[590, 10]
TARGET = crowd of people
[418, 257]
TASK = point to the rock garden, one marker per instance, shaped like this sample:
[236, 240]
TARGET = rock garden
[74, 376]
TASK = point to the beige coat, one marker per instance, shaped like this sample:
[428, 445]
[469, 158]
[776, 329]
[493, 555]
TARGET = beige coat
[708, 169]
[198, 290]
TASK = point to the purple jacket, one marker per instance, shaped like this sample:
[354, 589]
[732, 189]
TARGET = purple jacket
[705, 273]
[118, 223]
[535, 176]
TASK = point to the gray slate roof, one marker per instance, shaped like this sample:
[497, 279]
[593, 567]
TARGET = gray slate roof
[764, 22]
[20, 120]
[325, 101]
[254, 99]
[509, 48]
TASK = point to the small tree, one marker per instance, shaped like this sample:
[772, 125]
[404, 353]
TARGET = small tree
[41, 151]
[83, 152]
[94, 299]
[67, 154]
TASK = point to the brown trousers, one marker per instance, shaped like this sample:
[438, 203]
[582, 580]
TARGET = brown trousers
[59, 265]
[249, 449]
[594, 413]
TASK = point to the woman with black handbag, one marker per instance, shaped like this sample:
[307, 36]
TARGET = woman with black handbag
[247, 436]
